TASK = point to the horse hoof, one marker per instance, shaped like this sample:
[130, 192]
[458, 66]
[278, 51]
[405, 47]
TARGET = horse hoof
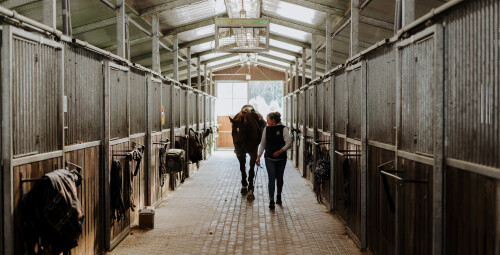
[244, 190]
[250, 195]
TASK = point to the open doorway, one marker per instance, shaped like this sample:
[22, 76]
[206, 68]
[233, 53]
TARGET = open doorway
[265, 96]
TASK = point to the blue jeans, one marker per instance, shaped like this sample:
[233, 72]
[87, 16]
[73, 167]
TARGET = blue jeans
[275, 171]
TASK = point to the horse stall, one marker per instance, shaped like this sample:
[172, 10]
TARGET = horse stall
[301, 126]
[381, 113]
[472, 136]
[69, 105]
[295, 129]
[323, 142]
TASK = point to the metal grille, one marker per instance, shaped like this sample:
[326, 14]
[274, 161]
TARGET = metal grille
[242, 35]
[83, 86]
[381, 100]
[176, 107]
[417, 96]
[166, 91]
[36, 80]
[354, 105]
[340, 103]
[473, 83]
[327, 106]
[138, 105]
[311, 108]
[182, 107]
[156, 95]
[118, 104]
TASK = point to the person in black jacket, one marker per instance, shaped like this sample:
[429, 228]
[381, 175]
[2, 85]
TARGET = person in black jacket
[275, 141]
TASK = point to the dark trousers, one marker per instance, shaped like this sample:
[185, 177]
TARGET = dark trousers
[275, 171]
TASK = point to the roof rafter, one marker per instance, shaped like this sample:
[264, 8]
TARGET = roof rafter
[191, 26]
[292, 24]
[316, 6]
[167, 6]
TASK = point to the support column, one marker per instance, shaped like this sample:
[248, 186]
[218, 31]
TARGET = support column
[49, 13]
[198, 65]
[285, 84]
[303, 67]
[6, 142]
[188, 60]
[66, 17]
[121, 31]
[205, 79]
[290, 83]
[328, 60]
[408, 11]
[211, 88]
[156, 43]
[364, 153]
[296, 85]
[313, 57]
[175, 52]
[332, 116]
[149, 138]
[354, 46]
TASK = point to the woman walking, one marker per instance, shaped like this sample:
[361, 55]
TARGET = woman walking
[275, 141]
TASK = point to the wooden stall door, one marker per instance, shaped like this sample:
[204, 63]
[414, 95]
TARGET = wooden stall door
[225, 138]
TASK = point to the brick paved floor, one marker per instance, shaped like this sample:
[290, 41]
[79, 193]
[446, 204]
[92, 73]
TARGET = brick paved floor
[208, 215]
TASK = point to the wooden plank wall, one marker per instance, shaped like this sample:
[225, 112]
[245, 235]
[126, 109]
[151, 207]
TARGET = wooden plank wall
[32, 170]
[380, 218]
[323, 153]
[118, 227]
[470, 206]
[89, 195]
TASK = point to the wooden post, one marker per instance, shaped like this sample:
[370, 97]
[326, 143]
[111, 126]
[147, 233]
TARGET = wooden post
[149, 138]
[364, 152]
[408, 12]
[313, 57]
[122, 31]
[49, 13]
[354, 45]
[439, 143]
[188, 60]
[106, 162]
[303, 67]
[156, 43]
[198, 72]
[66, 17]
[7, 239]
[175, 52]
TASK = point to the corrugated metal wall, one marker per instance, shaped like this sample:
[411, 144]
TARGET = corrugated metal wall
[164, 102]
[381, 100]
[83, 88]
[402, 216]
[42, 97]
[118, 104]
[138, 106]
[353, 105]
[340, 103]
[417, 97]
[472, 80]
[36, 80]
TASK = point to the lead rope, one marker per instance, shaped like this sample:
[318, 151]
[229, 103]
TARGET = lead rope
[255, 177]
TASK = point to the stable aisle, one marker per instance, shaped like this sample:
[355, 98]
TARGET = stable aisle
[208, 215]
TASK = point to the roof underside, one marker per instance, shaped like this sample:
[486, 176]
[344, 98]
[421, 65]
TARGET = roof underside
[294, 24]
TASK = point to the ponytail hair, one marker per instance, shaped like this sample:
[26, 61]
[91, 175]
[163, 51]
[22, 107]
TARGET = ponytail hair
[276, 116]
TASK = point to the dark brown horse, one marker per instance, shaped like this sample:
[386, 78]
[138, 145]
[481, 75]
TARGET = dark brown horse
[247, 127]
